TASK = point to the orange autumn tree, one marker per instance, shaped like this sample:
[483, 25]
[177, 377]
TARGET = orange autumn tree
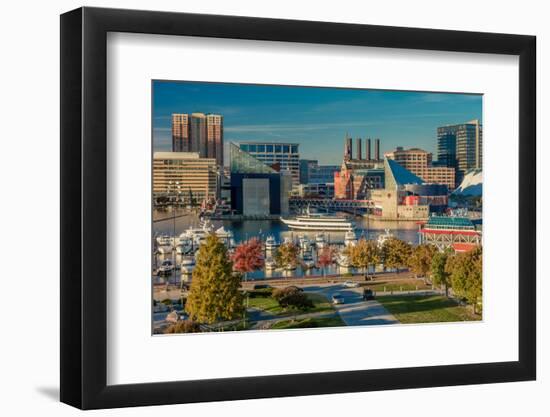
[248, 257]
[325, 258]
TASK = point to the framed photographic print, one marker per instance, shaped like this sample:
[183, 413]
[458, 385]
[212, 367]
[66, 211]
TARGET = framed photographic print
[257, 208]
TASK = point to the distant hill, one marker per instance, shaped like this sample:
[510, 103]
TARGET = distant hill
[472, 184]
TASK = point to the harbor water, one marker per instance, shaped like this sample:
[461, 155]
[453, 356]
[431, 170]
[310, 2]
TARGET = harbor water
[174, 223]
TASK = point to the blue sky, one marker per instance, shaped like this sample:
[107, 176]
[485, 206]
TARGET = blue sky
[316, 118]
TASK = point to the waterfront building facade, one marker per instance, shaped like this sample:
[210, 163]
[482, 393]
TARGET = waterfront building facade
[200, 133]
[419, 162]
[284, 155]
[316, 190]
[196, 177]
[458, 233]
[256, 188]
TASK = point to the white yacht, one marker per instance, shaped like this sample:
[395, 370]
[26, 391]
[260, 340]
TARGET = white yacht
[317, 221]
[270, 264]
[350, 238]
[187, 264]
[185, 245]
[271, 243]
[320, 240]
[166, 266]
[226, 236]
[307, 261]
[343, 260]
[305, 243]
[164, 240]
[382, 238]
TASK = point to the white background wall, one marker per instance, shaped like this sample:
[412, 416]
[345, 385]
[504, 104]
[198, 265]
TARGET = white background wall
[29, 304]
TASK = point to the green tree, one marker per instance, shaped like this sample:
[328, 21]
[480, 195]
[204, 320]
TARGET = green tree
[439, 270]
[292, 298]
[396, 253]
[466, 276]
[214, 294]
[420, 259]
[364, 254]
[287, 256]
[183, 326]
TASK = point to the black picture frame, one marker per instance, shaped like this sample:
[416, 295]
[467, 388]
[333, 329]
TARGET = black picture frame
[84, 207]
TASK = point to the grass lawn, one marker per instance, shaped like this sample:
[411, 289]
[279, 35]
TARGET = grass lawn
[426, 309]
[264, 301]
[334, 321]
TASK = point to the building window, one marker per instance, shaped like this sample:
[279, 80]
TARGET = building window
[286, 149]
[269, 148]
[294, 149]
[278, 148]
[260, 148]
[244, 147]
[251, 148]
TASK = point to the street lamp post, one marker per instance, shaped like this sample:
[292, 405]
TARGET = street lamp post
[176, 189]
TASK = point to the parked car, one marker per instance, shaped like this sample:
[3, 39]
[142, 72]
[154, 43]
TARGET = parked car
[337, 299]
[368, 294]
[351, 284]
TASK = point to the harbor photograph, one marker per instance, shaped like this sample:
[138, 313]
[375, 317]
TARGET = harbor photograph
[286, 207]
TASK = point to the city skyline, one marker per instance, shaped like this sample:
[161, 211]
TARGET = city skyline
[313, 115]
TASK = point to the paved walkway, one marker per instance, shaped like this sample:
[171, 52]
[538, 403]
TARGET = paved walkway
[355, 311]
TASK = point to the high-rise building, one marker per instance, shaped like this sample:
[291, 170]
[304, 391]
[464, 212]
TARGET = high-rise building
[214, 134]
[194, 177]
[419, 162]
[358, 144]
[377, 149]
[305, 167]
[180, 133]
[199, 142]
[461, 147]
[284, 155]
[198, 133]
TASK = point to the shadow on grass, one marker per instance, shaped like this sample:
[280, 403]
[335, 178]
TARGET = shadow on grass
[419, 304]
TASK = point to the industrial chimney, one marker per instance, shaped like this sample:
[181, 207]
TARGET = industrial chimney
[377, 149]
[359, 153]
[367, 150]
[348, 154]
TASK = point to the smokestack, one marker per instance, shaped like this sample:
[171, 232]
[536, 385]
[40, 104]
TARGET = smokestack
[358, 144]
[367, 150]
[348, 149]
[377, 149]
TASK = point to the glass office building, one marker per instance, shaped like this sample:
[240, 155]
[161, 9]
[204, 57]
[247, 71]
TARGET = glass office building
[286, 155]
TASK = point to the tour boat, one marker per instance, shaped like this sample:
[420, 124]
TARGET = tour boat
[316, 221]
